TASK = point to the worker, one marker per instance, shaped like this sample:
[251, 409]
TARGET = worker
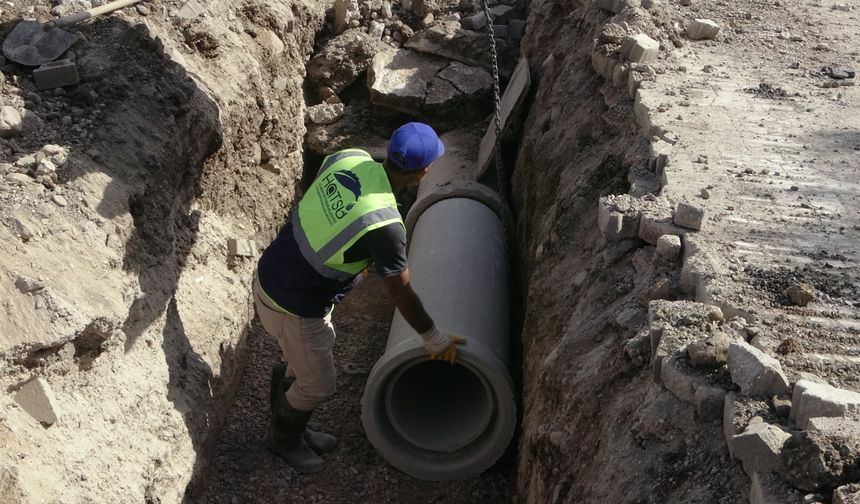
[347, 220]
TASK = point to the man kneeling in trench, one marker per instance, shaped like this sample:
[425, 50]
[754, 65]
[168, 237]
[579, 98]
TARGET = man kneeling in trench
[347, 219]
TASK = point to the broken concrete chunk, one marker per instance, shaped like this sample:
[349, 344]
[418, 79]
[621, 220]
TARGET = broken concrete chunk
[342, 60]
[448, 40]
[712, 352]
[475, 22]
[755, 372]
[36, 398]
[689, 216]
[640, 49]
[847, 494]
[241, 248]
[669, 247]
[759, 447]
[710, 402]
[812, 399]
[324, 113]
[769, 488]
[10, 121]
[400, 79]
[702, 29]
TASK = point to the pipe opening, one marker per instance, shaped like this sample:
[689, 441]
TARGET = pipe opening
[438, 407]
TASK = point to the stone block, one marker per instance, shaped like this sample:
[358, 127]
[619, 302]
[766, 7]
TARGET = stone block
[501, 14]
[603, 62]
[640, 49]
[755, 372]
[617, 218]
[759, 447]
[835, 426]
[241, 248]
[702, 29]
[36, 398]
[769, 488]
[516, 29]
[689, 216]
[812, 399]
[730, 412]
[847, 494]
[675, 324]
[680, 379]
[710, 402]
[638, 75]
[658, 157]
[475, 22]
[669, 247]
[56, 74]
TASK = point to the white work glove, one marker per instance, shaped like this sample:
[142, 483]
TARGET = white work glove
[442, 346]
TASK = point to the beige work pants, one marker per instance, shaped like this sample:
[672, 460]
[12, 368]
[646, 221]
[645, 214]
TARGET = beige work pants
[307, 347]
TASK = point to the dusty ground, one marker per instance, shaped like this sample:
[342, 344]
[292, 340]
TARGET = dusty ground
[142, 325]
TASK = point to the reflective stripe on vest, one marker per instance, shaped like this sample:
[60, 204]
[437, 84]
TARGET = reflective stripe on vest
[350, 196]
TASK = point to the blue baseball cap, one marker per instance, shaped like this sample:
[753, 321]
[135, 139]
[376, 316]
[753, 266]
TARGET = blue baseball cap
[414, 146]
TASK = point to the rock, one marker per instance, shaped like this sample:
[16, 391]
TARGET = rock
[669, 247]
[59, 200]
[689, 216]
[45, 167]
[17, 178]
[847, 494]
[342, 60]
[712, 352]
[22, 228]
[680, 379]
[702, 29]
[759, 447]
[324, 113]
[385, 11]
[640, 49]
[448, 40]
[811, 399]
[801, 294]
[501, 14]
[36, 398]
[835, 426]
[345, 11]
[755, 372]
[476, 22]
[190, 10]
[377, 29]
[27, 285]
[10, 122]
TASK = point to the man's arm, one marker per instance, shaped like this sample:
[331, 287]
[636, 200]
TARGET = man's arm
[407, 302]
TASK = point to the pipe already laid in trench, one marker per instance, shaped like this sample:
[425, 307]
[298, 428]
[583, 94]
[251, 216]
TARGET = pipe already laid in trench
[428, 418]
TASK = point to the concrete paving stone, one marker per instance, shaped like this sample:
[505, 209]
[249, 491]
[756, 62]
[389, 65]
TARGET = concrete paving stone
[710, 402]
[755, 372]
[730, 411]
[759, 447]
[702, 29]
[56, 74]
[847, 494]
[603, 61]
[656, 221]
[680, 379]
[669, 247]
[835, 426]
[615, 220]
[640, 49]
[689, 216]
[770, 488]
[811, 399]
[36, 398]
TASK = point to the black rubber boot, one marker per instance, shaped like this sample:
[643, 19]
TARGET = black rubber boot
[319, 442]
[284, 437]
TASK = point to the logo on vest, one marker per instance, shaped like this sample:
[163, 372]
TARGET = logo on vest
[338, 202]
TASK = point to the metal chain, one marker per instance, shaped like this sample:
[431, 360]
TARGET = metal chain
[501, 182]
[500, 177]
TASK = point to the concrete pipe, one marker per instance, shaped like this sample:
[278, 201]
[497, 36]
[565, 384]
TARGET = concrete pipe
[429, 419]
